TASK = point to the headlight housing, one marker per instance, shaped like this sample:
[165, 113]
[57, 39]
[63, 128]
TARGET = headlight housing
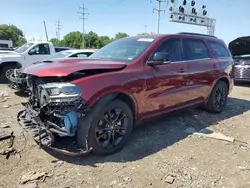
[59, 92]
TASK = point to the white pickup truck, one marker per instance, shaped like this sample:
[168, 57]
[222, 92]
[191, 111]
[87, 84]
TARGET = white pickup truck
[23, 57]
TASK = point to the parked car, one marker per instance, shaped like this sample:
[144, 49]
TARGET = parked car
[24, 56]
[240, 50]
[18, 78]
[59, 49]
[97, 101]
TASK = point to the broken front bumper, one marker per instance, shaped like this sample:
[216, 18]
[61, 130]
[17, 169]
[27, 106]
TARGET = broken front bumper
[45, 134]
[18, 77]
[18, 80]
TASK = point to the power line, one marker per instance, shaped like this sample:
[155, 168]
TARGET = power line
[83, 13]
[58, 25]
[159, 10]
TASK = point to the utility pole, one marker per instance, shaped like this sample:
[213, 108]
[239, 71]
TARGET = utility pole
[145, 32]
[82, 16]
[45, 30]
[159, 10]
[58, 25]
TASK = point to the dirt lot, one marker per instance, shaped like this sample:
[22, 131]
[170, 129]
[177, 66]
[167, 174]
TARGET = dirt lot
[159, 152]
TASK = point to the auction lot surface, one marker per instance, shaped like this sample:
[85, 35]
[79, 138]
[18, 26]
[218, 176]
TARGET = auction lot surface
[160, 153]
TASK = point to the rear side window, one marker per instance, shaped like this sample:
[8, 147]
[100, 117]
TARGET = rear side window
[195, 49]
[218, 49]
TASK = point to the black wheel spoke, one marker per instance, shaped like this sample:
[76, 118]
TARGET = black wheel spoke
[120, 133]
[100, 136]
[106, 142]
[99, 129]
[112, 128]
[120, 117]
[122, 128]
[220, 97]
[113, 138]
[107, 119]
[110, 116]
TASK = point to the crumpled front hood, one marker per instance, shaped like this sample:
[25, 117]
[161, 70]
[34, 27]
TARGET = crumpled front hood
[68, 66]
[240, 46]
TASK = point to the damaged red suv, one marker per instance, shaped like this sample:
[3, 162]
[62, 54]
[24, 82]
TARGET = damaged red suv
[96, 102]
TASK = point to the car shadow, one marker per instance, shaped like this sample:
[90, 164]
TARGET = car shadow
[157, 135]
[20, 93]
[2, 82]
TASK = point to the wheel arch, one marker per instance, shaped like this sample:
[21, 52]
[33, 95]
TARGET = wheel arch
[226, 81]
[223, 79]
[3, 64]
[128, 99]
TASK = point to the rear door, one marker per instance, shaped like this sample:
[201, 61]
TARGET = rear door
[202, 68]
[166, 84]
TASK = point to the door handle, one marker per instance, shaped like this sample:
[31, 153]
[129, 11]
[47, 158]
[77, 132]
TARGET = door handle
[215, 66]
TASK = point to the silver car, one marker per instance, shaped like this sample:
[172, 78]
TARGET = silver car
[240, 50]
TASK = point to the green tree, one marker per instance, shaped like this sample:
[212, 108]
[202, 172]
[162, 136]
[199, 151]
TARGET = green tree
[55, 41]
[21, 41]
[92, 40]
[10, 32]
[73, 39]
[120, 35]
[103, 41]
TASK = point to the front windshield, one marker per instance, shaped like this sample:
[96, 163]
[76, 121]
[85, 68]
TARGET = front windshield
[24, 47]
[61, 54]
[126, 49]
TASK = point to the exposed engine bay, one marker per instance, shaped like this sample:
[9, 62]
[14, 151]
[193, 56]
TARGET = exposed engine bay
[54, 110]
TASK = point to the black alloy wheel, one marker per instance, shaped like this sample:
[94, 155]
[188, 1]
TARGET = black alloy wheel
[218, 98]
[111, 125]
[111, 128]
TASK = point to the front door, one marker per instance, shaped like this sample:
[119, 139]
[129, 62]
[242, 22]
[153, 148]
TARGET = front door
[42, 52]
[166, 84]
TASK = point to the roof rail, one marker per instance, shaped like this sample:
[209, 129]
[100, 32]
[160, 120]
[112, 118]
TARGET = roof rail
[198, 34]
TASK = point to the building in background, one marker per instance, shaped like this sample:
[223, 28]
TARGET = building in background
[6, 44]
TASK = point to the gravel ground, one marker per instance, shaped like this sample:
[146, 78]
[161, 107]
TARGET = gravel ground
[160, 153]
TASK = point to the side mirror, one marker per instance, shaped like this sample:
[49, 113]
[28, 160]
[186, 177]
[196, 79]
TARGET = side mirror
[159, 58]
[32, 52]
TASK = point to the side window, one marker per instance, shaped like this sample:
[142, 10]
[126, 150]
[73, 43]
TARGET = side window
[173, 48]
[195, 49]
[80, 55]
[218, 49]
[41, 49]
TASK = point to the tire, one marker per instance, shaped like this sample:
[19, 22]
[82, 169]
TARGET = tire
[94, 118]
[213, 106]
[6, 70]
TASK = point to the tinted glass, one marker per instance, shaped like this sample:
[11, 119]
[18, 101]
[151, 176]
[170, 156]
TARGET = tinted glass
[42, 49]
[195, 49]
[80, 55]
[126, 49]
[218, 49]
[173, 48]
